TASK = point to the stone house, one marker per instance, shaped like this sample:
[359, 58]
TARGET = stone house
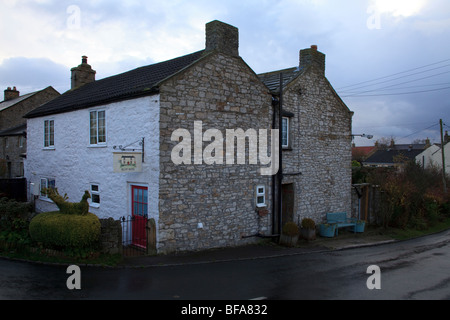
[315, 177]
[168, 141]
[13, 127]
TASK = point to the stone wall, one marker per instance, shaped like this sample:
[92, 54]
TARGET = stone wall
[13, 117]
[206, 206]
[111, 236]
[321, 147]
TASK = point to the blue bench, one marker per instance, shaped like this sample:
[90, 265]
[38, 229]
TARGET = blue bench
[341, 221]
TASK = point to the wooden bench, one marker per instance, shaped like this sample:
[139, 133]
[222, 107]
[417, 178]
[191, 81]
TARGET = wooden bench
[341, 221]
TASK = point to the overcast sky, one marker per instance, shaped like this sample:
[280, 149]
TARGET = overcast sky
[389, 60]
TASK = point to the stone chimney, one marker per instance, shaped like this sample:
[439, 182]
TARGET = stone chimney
[11, 93]
[312, 57]
[82, 74]
[222, 37]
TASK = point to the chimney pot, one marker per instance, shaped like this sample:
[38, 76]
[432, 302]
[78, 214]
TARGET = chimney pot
[11, 93]
[314, 47]
[82, 74]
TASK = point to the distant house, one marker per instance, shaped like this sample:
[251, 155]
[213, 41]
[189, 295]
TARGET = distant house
[13, 127]
[394, 155]
[432, 156]
[362, 153]
[127, 139]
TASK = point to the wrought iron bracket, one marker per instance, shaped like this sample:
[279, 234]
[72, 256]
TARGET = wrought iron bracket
[126, 148]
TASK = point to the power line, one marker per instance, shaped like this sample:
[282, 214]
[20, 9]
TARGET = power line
[395, 74]
[383, 82]
[394, 94]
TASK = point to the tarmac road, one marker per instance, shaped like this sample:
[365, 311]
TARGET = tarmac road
[413, 269]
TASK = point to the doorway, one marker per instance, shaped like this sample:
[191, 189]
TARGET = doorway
[139, 214]
[288, 200]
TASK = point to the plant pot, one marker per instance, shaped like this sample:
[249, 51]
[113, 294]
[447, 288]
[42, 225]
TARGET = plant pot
[289, 241]
[359, 227]
[327, 230]
[308, 234]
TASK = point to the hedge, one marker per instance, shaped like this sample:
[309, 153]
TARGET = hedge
[57, 230]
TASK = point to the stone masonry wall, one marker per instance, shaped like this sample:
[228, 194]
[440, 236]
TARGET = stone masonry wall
[223, 93]
[321, 147]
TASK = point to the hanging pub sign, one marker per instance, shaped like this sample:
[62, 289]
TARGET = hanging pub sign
[127, 161]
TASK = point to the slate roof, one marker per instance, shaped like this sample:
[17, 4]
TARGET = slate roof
[9, 103]
[138, 82]
[388, 156]
[15, 131]
[272, 79]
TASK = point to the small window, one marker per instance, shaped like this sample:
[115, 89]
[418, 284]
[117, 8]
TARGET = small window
[95, 194]
[46, 183]
[49, 134]
[97, 127]
[260, 196]
[285, 132]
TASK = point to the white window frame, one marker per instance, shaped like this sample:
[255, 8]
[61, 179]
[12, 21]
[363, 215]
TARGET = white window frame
[48, 143]
[288, 120]
[260, 195]
[96, 193]
[91, 136]
[43, 183]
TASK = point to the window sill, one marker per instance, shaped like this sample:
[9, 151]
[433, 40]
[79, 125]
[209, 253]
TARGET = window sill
[97, 146]
[94, 205]
[48, 148]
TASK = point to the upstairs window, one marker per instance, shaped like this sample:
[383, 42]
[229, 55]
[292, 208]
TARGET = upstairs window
[97, 127]
[285, 132]
[49, 134]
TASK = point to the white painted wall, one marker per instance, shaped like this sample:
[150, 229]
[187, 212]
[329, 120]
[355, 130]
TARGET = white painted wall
[433, 157]
[74, 164]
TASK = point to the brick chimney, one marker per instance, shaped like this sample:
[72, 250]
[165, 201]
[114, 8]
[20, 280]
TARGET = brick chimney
[312, 57]
[82, 74]
[11, 93]
[222, 37]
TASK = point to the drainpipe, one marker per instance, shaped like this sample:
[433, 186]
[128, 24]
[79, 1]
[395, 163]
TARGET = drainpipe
[274, 103]
[280, 153]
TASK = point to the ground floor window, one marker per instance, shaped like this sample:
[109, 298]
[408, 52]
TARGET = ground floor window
[260, 196]
[45, 184]
[95, 194]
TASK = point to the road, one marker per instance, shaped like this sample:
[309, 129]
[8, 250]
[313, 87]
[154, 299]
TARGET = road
[414, 269]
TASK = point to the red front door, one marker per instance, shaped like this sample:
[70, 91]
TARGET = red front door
[139, 210]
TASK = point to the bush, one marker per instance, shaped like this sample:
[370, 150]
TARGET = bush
[290, 229]
[62, 231]
[13, 214]
[308, 223]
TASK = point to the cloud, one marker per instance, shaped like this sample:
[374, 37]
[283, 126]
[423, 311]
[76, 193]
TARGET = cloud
[33, 74]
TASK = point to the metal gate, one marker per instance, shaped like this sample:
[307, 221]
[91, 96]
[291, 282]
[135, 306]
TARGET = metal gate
[134, 235]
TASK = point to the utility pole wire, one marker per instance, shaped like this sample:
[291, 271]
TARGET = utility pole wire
[443, 157]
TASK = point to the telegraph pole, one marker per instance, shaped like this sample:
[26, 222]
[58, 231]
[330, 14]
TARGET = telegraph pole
[443, 157]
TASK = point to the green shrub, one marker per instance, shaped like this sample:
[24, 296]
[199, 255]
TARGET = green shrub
[290, 229]
[308, 223]
[62, 231]
[14, 215]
